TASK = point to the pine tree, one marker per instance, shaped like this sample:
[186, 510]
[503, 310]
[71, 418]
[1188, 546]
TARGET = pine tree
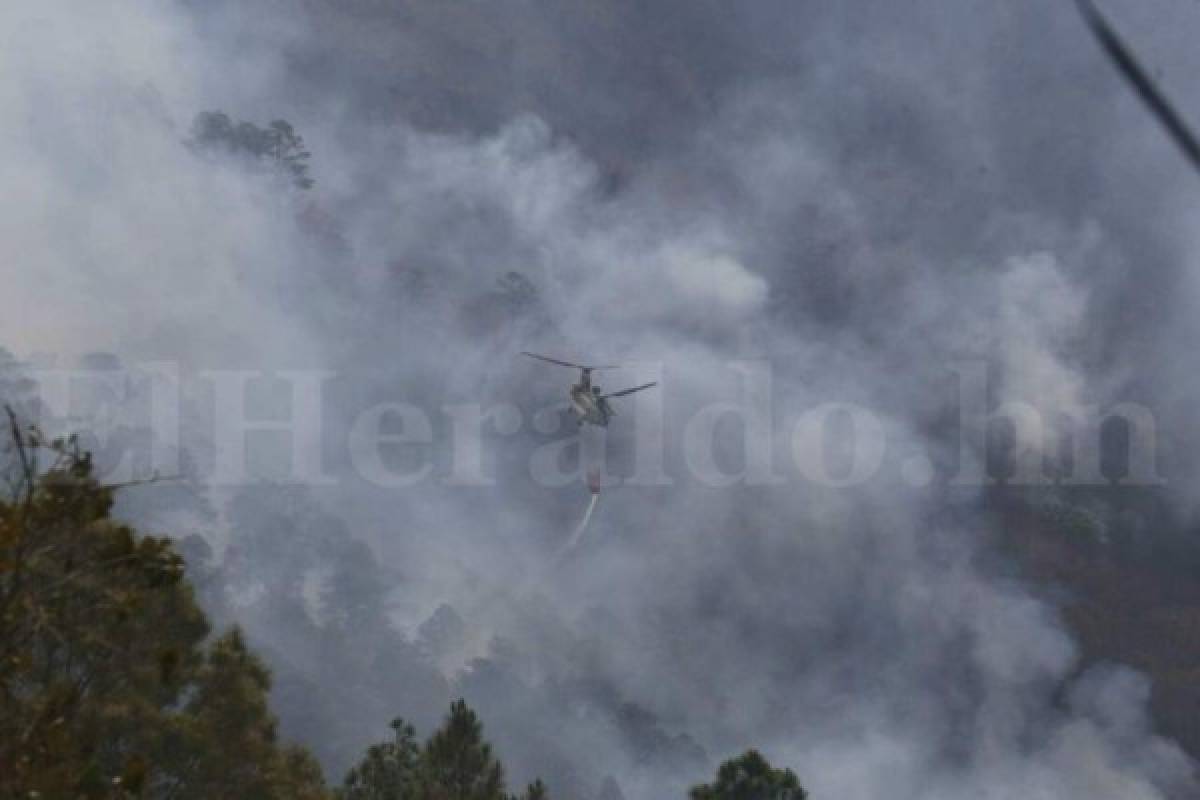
[536, 791]
[750, 777]
[457, 764]
[106, 686]
[234, 733]
[388, 771]
[277, 146]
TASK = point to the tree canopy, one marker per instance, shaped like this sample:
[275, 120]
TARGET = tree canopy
[108, 685]
[277, 145]
[750, 777]
[455, 763]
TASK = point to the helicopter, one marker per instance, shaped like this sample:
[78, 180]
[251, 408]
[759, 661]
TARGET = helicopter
[588, 402]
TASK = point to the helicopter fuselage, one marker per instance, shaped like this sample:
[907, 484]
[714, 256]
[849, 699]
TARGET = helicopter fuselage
[588, 406]
[588, 403]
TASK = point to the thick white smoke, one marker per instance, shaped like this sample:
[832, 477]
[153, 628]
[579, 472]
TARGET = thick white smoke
[860, 217]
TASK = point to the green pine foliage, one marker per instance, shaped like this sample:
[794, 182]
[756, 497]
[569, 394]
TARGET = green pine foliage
[455, 763]
[750, 777]
[388, 771]
[108, 685]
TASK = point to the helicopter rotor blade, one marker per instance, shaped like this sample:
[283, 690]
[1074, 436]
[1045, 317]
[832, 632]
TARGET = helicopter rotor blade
[553, 360]
[624, 392]
[564, 363]
[1139, 78]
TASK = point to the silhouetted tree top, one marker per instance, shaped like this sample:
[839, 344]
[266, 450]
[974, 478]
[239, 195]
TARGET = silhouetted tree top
[277, 145]
[455, 763]
[750, 777]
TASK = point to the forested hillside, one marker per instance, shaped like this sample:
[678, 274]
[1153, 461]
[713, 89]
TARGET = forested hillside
[114, 685]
